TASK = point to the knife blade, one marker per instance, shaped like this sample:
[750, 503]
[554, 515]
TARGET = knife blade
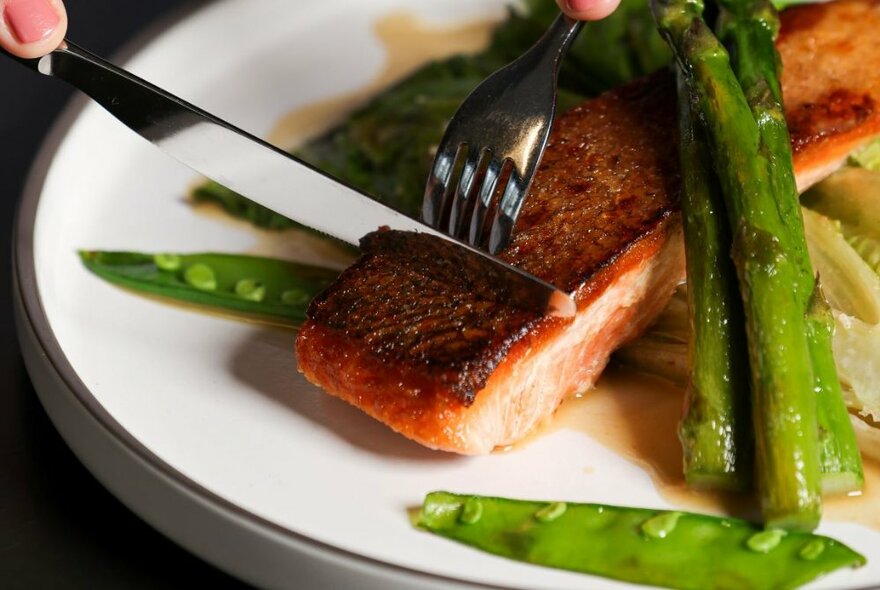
[264, 173]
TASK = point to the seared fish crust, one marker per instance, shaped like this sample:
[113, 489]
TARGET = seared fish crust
[452, 366]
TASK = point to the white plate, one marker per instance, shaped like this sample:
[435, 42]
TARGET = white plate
[203, 425]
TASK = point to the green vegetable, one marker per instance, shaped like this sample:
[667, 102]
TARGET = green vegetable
[851, 196]
[849, 283]
[386, 147]
[854, 293]
[783, 404]
[749, 29]
[551, 512]
[471, 511]
[867, 157]
[663, 350]
[715, 430]
[251, 289]
[765, 541]
[856, 354]
[657, 356]
[237, 206]
[813, 549]
[248, 286]
[662, 525]
[167, 261]
[295, 297]
[606, 54]
[200, 276]
[678, 549]
[868, 437]
[781, 4]
[866, 247]
[846, 251]
[858, 357]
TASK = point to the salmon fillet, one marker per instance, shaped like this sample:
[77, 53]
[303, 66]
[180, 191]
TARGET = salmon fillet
[831, 82]
[401, 336]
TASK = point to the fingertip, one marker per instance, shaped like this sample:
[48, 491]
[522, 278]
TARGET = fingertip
[588, 9]
[32, 28]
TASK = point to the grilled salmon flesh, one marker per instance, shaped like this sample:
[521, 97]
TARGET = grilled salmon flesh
[449, 366]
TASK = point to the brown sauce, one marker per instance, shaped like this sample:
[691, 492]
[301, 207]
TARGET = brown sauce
[637, 417]
[409, 43]
[632, 415]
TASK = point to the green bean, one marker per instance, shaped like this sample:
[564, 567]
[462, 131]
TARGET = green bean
[672, 549]
[237, 206]
[247, 286]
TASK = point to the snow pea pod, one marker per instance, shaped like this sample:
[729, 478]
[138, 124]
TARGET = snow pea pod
[662, 548]
[241, 207]
[276, 291]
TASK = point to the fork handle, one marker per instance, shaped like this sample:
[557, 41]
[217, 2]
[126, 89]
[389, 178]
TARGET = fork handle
[554, 43]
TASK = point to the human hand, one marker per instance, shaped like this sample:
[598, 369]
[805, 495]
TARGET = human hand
[588, 9]
[32, 28]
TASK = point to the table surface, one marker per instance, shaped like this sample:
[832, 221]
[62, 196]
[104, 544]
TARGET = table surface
[59, 528]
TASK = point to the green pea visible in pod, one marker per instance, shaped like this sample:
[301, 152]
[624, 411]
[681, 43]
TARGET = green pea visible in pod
[169, 262]
[551, 512]
[619, 542]
[765, 541]
[812, 550]
[661, 525]
[250, 289]
[201, 277]
[471, 511]
[294, 297]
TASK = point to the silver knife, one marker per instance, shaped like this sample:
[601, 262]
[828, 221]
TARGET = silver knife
[264, 173]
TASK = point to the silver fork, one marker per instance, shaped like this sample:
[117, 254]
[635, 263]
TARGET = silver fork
[500, 130]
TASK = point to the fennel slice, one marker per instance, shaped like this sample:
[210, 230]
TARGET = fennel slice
[850, 285]
[857, 353]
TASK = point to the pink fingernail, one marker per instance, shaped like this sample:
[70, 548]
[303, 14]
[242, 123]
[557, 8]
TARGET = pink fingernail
[580, 5]
[31, 20]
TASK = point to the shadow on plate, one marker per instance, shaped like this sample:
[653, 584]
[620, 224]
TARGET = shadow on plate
[265, 362]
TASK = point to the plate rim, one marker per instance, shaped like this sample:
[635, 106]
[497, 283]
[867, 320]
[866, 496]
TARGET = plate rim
[33, 323]
[27, 293]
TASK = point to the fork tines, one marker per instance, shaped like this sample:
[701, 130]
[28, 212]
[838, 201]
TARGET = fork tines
[493, 144]
[480, 207]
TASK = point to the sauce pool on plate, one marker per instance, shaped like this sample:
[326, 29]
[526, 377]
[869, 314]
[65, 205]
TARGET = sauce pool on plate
[409, 43]
[637, 417]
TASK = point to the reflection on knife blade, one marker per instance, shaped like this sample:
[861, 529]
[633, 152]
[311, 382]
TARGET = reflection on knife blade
[264, 173]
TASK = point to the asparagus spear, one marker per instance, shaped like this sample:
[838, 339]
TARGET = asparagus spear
[715, 431]
[274, 291]
[672, 549]
[749, 28]
[783, 405]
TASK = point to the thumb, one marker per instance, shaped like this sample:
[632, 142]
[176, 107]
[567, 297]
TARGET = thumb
[32, 28]
[588, 9]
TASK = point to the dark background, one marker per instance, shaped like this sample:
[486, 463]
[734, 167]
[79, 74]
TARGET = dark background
[58, 527]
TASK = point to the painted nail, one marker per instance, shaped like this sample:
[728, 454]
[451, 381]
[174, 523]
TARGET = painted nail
[31, 20]
[580, 5]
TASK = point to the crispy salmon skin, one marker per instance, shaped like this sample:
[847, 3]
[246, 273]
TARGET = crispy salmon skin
[448, 365]
[831, 82]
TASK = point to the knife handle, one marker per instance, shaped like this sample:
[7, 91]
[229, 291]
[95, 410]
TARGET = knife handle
[33, 64]
[181, 129]
[145, 108]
